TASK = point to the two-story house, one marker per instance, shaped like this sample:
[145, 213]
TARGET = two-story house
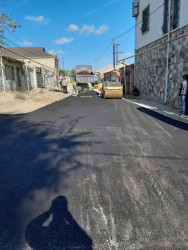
[158, 72]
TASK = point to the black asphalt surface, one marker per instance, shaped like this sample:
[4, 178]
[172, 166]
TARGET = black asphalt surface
[88, 173]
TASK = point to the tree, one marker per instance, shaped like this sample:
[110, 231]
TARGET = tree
[73, 73]
[5, 23]
[62, 72]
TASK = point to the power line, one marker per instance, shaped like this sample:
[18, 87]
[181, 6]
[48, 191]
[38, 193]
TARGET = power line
[138, 23]
[155, 47]
[22, 48]
[43, 45]
[105, 51]
[71, 10]
[26, 57]
[88, 45]
[131, 28]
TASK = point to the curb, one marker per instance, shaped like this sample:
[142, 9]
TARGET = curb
[164, 113]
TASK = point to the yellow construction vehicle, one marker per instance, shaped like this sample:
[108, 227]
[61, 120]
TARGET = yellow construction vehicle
[112, 88]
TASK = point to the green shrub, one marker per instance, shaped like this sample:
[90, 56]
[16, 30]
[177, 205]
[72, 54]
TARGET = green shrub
[20, 95]
[20, 90]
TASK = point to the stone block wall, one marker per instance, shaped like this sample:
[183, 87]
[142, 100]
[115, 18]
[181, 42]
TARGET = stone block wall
[150, 68]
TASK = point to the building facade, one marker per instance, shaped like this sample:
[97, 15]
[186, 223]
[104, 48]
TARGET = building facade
[158, 72]
[12, 75]
[40, 67]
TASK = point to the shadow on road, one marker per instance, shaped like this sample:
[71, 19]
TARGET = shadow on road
[61, 232]
[168, 120]
[37, 152]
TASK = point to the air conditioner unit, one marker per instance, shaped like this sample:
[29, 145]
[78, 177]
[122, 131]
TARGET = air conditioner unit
[135, 12]
[135, 8]
[135, 3]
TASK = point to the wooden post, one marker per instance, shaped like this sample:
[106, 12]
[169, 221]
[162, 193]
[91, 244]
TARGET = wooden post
[35, 77]
[3, 77]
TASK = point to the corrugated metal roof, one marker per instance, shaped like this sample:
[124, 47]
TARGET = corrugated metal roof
[28, 52]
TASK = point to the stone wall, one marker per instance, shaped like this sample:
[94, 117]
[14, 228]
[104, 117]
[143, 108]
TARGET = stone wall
[150, 69]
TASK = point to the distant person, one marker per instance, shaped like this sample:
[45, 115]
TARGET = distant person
[61, 84]
[100, 88]
[89, 86]
[135, 91]
[65, 86]
[117, 73]
[74, 88]
[183, 92]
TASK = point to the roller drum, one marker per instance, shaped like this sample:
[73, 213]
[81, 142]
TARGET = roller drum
[113, 94]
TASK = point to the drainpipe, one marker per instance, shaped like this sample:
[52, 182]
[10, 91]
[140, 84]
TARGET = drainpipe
[168, 45]
[3, 77]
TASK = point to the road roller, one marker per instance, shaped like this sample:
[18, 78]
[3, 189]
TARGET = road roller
[112, 89]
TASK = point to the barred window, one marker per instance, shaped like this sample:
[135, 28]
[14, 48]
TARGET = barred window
[145, 20]
[9, 72]
[174, 15]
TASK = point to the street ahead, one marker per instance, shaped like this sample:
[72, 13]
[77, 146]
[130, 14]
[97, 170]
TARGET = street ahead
[88, 173]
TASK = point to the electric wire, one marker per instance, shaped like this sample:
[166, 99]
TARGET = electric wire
[23, 48]
[31, 35]
[71, 10]
[105, 51]
[124, 33]
[21, 56]
[155, 47]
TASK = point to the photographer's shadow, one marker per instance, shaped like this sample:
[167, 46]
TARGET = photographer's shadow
[62, 232]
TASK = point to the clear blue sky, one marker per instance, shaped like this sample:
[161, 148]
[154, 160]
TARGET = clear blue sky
[89, 25]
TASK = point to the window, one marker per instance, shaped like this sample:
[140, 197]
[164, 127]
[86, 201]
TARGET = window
[9, 72]
[145, 20]
[174, 15]
[175, 9]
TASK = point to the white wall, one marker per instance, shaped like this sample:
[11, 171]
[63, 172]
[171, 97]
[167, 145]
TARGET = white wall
[155, 21]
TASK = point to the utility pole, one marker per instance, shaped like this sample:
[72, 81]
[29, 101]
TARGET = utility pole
[114, 53]
[95, 65]
[2, 71]
[63, 62]
[117, 52]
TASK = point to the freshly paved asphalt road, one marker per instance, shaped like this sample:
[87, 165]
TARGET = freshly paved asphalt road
[88, 173]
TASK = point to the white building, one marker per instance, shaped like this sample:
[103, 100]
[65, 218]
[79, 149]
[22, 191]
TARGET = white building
[41, 67]
[12, 74]
[152, 19]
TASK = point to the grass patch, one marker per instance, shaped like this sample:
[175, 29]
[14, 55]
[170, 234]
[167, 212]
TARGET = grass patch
[20, 95]
[131, 97]
[20, 90]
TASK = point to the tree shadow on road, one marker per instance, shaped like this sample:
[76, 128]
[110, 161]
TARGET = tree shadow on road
[61, 232]
[36, 154]
[165, 119]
